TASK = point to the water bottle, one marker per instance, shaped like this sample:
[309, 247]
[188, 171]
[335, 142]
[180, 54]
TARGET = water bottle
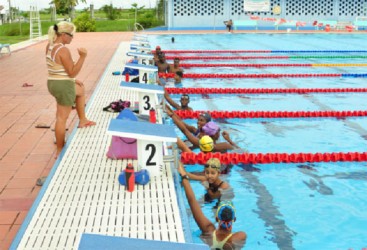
[152, 116]
[129, 177]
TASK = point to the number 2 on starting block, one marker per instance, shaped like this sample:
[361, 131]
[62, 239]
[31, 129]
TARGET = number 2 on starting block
[150, 156]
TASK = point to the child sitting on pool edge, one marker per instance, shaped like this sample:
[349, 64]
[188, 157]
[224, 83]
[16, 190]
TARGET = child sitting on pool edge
[210, 179]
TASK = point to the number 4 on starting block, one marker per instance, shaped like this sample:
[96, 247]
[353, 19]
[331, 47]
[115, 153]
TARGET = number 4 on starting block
[150, 139]
[147, 73]
[147, 95]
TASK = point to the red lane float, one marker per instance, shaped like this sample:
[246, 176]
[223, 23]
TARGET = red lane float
[226, 57]
[261, 90]
[192, 75]
[265, 158]
[198, 65]
[212, 51]
[188, 114]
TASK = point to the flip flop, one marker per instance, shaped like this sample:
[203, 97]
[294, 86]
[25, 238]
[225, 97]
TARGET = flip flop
[88, 124]
[41, 181]
[27, 85]
[42, 125]
[67, 129]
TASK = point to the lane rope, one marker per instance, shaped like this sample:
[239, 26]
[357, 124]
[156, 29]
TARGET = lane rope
[262, 90]
[263, 57]
[257, 51]
[265, 158]
[188, 114]
[271, 75]
[267, 65]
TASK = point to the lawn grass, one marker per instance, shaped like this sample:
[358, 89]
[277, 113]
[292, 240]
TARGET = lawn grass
[18, 32]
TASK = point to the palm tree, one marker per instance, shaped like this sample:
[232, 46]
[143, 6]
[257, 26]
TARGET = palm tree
[68, 4]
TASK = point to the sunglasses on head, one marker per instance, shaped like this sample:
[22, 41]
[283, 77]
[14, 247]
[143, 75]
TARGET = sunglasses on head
[69, 34]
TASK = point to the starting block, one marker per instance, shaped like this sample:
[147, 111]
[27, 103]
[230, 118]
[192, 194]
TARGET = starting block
[147, 73]
[143, 58]
[95, 241]
[150, 138]
[140, 38]
[140, 49]
[147, 95]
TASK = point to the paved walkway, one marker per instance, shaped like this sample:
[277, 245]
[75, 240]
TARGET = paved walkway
[26, 152]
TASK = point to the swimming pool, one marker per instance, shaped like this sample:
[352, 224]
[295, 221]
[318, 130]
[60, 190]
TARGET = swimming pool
[285, 206]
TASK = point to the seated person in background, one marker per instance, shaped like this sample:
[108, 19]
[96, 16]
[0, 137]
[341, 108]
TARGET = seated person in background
[184, 101]
[221, 237]
[175, 66]
[210, 179]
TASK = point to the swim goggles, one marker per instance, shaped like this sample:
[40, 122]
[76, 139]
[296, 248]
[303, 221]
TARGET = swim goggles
[212, 166]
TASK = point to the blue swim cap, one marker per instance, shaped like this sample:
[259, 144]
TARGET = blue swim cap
[226, 213]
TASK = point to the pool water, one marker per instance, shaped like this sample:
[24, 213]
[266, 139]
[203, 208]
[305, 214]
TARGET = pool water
[288, 206]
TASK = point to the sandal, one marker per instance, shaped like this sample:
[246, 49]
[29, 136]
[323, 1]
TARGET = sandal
[41, 181]
[27, 85]
[42, 125]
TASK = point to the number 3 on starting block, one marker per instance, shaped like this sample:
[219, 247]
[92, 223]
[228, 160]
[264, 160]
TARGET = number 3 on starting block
[150, 156]
[146, 102]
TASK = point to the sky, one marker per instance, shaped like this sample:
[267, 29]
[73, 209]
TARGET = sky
[41, 4]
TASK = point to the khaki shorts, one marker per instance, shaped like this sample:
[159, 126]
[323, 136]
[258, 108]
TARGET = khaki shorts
[63, 91]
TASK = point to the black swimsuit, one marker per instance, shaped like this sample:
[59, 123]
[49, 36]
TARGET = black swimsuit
[214, 188]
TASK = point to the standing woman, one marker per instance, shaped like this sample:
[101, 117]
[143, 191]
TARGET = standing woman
[61, 81]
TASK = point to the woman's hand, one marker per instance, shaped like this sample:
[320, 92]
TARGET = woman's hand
[82, 52]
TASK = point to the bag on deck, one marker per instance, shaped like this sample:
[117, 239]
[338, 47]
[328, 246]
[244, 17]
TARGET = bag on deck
[123, 147]
[117, 106]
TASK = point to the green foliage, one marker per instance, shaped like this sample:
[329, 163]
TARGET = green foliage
[111, 12]
[114, 25]
[84, 23]
[64, 7]
[148, 20]
[14, 29]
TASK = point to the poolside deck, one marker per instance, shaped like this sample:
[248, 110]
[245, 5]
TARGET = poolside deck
[26, 152]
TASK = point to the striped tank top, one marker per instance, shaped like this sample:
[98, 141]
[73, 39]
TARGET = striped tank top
[55, 71]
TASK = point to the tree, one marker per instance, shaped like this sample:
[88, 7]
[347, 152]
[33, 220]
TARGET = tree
[111, 12]
[67, 6]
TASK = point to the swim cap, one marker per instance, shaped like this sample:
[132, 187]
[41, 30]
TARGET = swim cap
[158, 47]
[213, 163]
[206, 116]
[206, 144]
[210, 128]
[226, 214]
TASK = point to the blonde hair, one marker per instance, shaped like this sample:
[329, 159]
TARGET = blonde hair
[55, 30]
[214, 163]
